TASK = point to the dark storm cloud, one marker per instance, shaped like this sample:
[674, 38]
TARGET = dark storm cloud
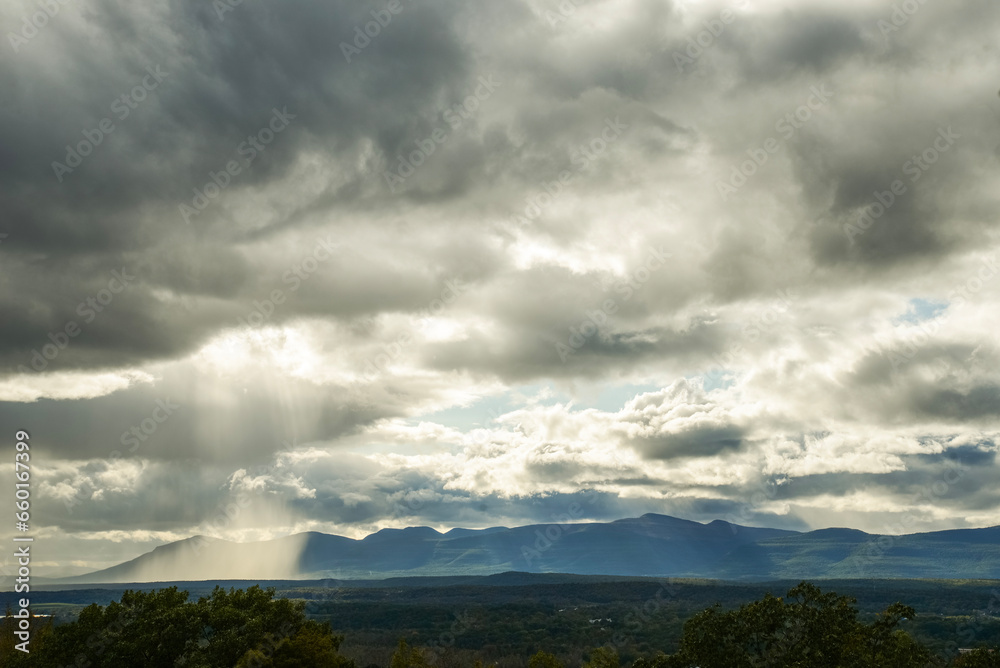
[862, 229]
[964, 455]
[930, 141]
[221, 79]
[796, 41]
[178, 420]
[156, 497]
[346, 493]
[981, 401]
[456, 304]
[957, 479]
[695, 442]
[177, 299]
[850, 151]
[519, 355]
[418, 500]
[551, 322]
[902, 382]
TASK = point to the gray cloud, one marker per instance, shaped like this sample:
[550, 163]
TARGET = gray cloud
[488, 341]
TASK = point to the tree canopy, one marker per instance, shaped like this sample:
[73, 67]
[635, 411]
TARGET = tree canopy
[162, 629]
[252, 628]
[807, 629]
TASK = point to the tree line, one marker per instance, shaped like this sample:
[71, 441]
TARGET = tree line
[253, 628]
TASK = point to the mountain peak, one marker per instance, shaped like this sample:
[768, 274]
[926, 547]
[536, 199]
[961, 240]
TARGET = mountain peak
[840, 532]
[657, 517]
[422, 532]
[650, 545]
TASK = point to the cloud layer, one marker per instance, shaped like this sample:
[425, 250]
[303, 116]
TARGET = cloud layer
[464, 264]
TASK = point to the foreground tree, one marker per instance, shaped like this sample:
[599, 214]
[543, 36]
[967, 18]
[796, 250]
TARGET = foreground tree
[10, 655]
[979, 658]
[602, 657]
[162, 629]
[544, 660]
[807, 629]
[313, 646]
[408, 657]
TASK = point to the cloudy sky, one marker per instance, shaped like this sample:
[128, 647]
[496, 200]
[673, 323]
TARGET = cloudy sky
[361, 265]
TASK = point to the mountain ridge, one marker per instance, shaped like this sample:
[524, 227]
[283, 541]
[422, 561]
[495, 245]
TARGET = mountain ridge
[649, 545]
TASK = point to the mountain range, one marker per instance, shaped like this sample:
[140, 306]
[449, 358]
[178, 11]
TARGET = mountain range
[651, 545]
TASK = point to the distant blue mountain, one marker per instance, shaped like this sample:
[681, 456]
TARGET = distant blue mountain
[651, 545]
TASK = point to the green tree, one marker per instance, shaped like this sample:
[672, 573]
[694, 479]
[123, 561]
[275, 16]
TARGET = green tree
[408, 657]
[662, 661]
[41, 633]
[807, 629]
[313, 646]
[163, 629]
[883, 644]
[602, 657]
[144, 628]
[237, 621]
[981, 657]
[544, 660]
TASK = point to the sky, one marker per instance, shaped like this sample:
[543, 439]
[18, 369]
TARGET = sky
[338, 266]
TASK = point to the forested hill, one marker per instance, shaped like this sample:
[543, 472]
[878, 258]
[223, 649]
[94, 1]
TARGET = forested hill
[650, 545]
